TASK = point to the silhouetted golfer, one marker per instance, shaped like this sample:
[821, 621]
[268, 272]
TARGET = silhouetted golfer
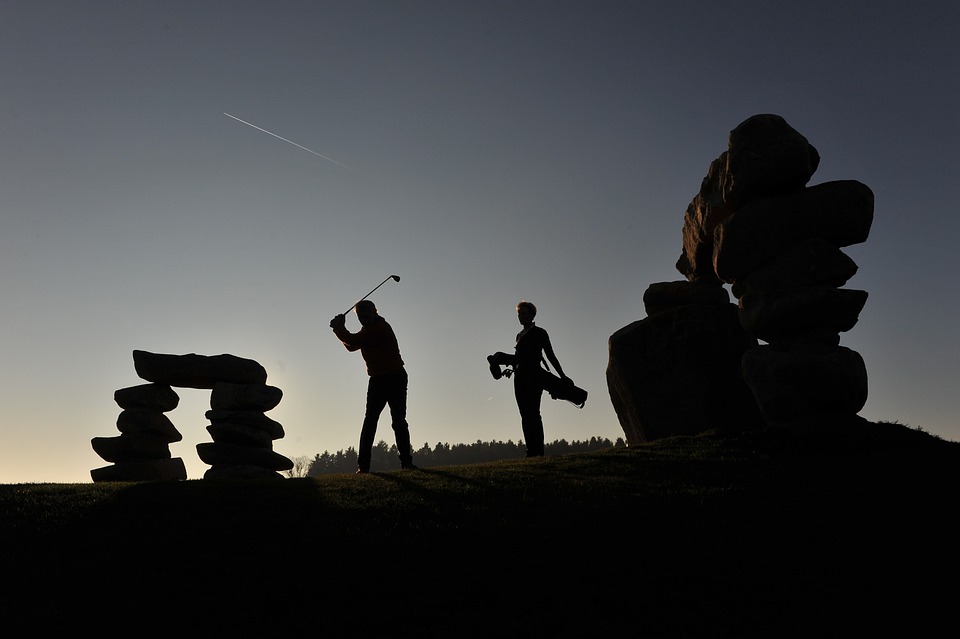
[528, 381]
[387, 384]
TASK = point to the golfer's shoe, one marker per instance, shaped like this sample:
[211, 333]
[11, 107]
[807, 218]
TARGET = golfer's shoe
[494, 368]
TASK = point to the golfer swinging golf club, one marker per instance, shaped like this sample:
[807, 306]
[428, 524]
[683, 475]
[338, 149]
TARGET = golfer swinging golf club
[387, 384]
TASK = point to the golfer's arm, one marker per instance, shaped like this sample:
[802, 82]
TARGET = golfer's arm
[548, 349]
[350, 341]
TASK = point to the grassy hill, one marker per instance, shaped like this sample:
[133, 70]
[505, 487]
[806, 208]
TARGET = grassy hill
[832, 531]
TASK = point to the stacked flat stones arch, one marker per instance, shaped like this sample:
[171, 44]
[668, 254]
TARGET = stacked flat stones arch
[243, 435]
[699, 362]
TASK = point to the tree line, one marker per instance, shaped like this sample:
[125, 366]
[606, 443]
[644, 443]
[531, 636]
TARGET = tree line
[385, 457]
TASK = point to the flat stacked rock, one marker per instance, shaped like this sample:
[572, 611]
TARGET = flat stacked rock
[243, 435]
[142, 450]
[197, 371]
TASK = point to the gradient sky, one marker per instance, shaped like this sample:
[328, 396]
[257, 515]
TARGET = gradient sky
[543, 150]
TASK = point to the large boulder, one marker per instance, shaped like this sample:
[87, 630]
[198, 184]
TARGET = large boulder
[678, 373]
[765, 156]
[790, 384]
[838, 212]
[197, 371]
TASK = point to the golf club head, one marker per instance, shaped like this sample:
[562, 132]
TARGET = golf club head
[396, 278]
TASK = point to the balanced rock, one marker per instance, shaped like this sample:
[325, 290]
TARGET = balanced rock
[197, 371]
[665, 296]
[145, 420]
[243, 436]
[783, 312]
[764, 156]
[839, 212]
[258, 397]
[141, 452]
[791, 384]
[142, 470]
[131, 447]
[240, 435]
[814, 262]
[756, 225]
[252, 418]
[214, 453]
[152, 396]
[242, 446]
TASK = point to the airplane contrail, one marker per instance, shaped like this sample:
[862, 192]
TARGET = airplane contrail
[287, 141]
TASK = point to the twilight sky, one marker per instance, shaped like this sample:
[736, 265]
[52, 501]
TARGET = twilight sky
[485, 152]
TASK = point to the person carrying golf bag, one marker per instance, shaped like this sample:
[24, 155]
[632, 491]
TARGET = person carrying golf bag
[387, 384]
[529, 378]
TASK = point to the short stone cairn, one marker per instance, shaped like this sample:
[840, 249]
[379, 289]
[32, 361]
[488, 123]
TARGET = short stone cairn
[142, 450]
[243, 436]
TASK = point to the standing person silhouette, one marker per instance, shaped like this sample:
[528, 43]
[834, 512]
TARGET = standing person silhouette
[387, 382]
[528, 384]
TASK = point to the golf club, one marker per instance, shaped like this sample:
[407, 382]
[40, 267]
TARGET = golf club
[395, 278]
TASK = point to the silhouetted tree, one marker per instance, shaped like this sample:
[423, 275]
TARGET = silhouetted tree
[385, 457]
[301, 467]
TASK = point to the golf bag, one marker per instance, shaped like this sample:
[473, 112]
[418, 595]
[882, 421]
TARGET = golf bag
[557, 387]
[563, 388]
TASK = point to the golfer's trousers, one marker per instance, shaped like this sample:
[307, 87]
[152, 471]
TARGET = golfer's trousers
[528, 390]
[382, 390]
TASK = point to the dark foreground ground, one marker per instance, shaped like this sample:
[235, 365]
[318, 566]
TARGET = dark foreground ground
[846, 532]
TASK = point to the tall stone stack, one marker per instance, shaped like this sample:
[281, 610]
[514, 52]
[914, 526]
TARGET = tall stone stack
[781, 253]
[142, 450]
[243, 435]
[756, 225]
